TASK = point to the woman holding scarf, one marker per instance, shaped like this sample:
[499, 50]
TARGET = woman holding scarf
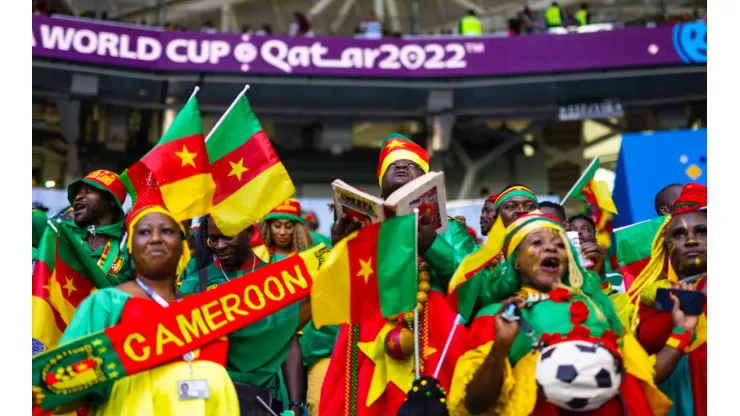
[156, 244]
[678, 261]
[551, 343]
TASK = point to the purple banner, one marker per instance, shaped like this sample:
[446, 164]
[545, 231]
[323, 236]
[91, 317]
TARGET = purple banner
[138, 47]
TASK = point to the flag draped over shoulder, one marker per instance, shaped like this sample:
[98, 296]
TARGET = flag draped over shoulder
[634, 247]
[463, 288]
[64, 275]
[179, 162]
[250, 179]
[371, 272]
[592, 191]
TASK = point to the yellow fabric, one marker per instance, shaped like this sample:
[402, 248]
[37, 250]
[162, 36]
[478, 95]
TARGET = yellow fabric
[700, 334]
[44, 327]
[330, 293]
[478, 259]
[178, 196]
[552, 16]
[526, 230]
[316, 376]
[518, 394]
[148, 210]
[650, 292]
[471, 25]
[603, 196]
[155, 393]
[401, 154]
[639, 364]
[243, 208]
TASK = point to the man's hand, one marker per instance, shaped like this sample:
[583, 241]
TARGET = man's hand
[344, 227]
[595, 253]
[426, 234]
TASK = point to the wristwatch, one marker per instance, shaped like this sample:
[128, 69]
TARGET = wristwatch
[299, 405]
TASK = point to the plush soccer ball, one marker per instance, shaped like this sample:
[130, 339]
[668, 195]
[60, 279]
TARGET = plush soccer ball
[578, 375]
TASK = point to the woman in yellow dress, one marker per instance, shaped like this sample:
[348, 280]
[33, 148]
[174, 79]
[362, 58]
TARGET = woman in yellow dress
[155, 240]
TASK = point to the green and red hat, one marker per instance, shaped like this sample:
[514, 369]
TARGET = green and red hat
[289, 210]
[693, 198]
[397, 147]
[311, 217]
[512, 191]
[103, 180]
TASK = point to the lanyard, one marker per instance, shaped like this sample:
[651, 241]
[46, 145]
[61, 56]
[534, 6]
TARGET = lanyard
[188, 356]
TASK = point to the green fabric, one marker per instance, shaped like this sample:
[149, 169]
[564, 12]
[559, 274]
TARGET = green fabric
[317, 343]
[39, 225]
[447, 252]
[320, 238]
[114, 232]
[256, 352]
[635, 242]
[99, 311]
[678, 389]
[548, 317]
[187, 123]
[512, 194]
[236, 128]
[283, 216]
[34, 254]
[581, 17]
[395, 254]
[189, 268]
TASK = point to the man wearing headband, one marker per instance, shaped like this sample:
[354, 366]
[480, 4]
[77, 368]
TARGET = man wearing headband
[513, 202]
[97, 201]
[400, 161]
[678, 261]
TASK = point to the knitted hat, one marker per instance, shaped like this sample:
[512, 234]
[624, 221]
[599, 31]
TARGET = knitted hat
[426, 398]
[289, 210]
[512, 191]
[397, 147]
[311, 217]
[102, 180]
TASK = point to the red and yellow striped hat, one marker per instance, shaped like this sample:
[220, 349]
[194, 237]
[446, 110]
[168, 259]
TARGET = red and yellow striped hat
[397, 147]
[289, 210]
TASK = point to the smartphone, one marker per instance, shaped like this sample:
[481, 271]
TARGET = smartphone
[692, 302]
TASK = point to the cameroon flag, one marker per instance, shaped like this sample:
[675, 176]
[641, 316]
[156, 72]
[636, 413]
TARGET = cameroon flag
[370, 273]
[463, 289]
[592, 191]
[634, 247]
[63, 277]
[250, 179]
[179, 162]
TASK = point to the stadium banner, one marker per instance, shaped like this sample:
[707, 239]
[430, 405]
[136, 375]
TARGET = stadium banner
[131, 46]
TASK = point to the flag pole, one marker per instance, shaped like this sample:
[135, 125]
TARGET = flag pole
[416, 309]
[458, 318]
[565, 198]
[195, 91]
[218, 123]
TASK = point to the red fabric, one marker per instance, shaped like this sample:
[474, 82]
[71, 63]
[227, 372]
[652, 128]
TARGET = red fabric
[334, 390]
[693, 196]
[631, 393]
[109, 181]
[290, 206]
[698, 370]
[138, 307]
[654, 330]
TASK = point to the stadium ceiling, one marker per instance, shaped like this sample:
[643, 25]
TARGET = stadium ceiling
[342, 16]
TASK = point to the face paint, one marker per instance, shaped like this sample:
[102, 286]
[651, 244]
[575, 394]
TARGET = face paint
[697, 261]
[692, 241]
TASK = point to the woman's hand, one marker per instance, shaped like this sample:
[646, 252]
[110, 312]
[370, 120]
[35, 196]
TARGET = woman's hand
[38, 395]
[680, 319]
[504, 331]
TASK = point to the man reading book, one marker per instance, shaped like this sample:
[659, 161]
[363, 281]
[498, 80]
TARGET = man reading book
[400, 162]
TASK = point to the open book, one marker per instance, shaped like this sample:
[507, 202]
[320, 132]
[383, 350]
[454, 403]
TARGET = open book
[426, 192]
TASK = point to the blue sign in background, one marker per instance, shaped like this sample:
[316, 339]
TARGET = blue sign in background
[650, 161]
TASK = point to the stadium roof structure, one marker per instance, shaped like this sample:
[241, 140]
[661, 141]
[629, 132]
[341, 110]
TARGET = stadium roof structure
[343, 16]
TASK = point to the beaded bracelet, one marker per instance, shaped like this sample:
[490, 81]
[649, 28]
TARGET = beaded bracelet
[680, 339]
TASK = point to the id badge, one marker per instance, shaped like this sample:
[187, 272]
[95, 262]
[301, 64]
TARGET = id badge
[193, 389]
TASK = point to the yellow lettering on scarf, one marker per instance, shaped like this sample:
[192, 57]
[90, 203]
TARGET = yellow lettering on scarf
[299, 280]
[194, 326]
[129, 350]
[260, 298]
[230, 309]
[164, 336]
[210, 315]
[276, 286]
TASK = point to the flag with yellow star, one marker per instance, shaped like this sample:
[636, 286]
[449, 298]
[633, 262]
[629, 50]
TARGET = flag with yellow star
[370, 273]
[62, 278]
[179, 162]
[250, 178]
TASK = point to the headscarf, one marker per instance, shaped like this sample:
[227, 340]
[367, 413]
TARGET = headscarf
[577, 279]
[693, 198]
[397, 147]
[512, 191]
[289, 210]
